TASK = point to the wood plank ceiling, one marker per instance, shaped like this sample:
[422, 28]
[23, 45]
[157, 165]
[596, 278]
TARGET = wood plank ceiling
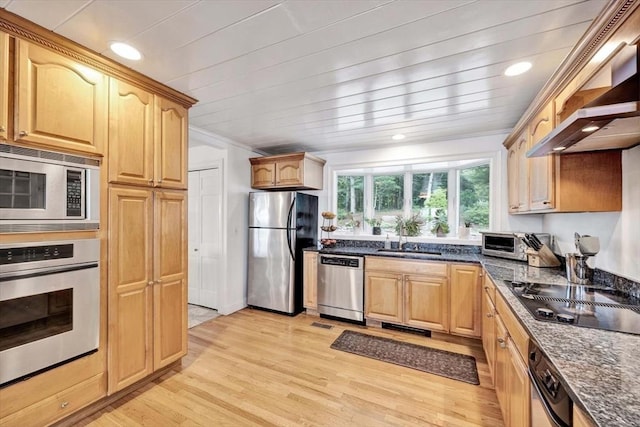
[325, 75]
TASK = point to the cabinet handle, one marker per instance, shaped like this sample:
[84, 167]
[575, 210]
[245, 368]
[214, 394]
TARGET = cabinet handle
[2, 129]
[64, 404]
[150, 283]
[159, 281]
[502, 343]
[23, 133]
[160, 181]
[486, 288]
[515, 207]
[546, 202]
[490, 315]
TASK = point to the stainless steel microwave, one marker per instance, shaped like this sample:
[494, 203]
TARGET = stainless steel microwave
[47, 191]
[508, 245]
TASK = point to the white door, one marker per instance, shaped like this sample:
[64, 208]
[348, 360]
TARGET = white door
[205, 236]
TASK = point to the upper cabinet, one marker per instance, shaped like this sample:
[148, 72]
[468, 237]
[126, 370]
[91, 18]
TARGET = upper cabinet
[541, 184]
[4, 86]
[289, 171]
[147, 138]
[518, 172]
[60, 103]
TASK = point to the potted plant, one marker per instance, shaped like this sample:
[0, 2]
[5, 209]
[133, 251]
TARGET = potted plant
[375, 225]
[410, 226]
[440, 224]
[463, 231]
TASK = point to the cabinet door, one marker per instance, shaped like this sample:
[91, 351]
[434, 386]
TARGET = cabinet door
[465, 295]
[263, 175]
[518, 390]
[523, 173]
[383, 297]
[170, 289]
[310, 266]
[170, 152]
[513, 177]
[489, 332]
[60, 103]
[289, 173]
[426, 302]
[130, 286]
[4, 86]
[130, 134]
[502, 367]
[580, 419]
[541, 169]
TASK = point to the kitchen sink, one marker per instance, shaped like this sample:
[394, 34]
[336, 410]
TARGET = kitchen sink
[411, 252]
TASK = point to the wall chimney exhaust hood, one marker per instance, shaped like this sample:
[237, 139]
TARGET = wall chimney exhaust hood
[611, 121]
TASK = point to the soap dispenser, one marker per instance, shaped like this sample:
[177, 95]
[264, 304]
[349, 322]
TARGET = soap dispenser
[387, 243]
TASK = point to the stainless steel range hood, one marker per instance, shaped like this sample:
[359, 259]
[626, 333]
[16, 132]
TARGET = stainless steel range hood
[611, 121]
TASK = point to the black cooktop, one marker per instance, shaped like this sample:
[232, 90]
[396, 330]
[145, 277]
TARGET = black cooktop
[580, 305]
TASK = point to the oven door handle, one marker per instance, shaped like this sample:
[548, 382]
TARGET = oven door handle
[549, 411]
[47, 272]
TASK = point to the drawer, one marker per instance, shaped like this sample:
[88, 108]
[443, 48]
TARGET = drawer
[516, 331]
[59, 405]
[405, 266]
[489, 287]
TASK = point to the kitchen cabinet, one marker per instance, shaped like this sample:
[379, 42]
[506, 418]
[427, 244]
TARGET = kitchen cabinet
[518, 175]
[580, 419]
[59, 103]
[310, 280]
[147, 282]
[501, 366]
[489, 331]
[4, 86]
[465, 292]
[288, 171]
[541, 170]
[412, 293]
[147, 138]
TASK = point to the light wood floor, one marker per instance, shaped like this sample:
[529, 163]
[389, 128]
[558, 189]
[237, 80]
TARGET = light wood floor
[259, 368]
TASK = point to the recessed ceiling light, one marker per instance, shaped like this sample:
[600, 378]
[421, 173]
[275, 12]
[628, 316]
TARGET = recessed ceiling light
[126, 51]
[517, 69]
[397, 137]
[559, 148]
[590, 128]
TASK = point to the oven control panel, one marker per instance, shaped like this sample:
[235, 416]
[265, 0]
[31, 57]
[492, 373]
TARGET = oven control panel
[35, 253]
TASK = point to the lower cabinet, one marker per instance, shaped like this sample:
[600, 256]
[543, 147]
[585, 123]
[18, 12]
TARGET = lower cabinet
[509, 369]
[147, 282]
[580, 419]
[310, 280]
[407, 292]
[465, 299]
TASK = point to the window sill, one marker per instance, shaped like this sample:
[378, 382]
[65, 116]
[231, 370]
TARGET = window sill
[451, 240]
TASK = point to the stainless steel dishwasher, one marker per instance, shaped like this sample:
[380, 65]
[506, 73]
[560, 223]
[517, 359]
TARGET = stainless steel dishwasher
[341, 286]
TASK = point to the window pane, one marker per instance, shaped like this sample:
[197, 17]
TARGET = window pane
[350, 202]
[388, 199]
[430, 199]
[474, 197]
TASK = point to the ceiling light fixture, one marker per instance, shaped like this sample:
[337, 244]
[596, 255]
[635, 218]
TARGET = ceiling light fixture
[559, 148]
[517, 69]
[397, 137]
[590, 128]
[126, 51]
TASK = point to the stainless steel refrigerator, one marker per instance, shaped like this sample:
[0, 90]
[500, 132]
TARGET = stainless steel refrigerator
[281, 225]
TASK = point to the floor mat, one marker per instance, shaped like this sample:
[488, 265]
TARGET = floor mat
[435, 361]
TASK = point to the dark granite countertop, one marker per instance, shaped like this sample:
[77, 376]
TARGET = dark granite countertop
[601, 369]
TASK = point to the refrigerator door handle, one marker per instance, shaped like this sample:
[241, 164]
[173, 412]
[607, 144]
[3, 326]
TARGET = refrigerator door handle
[289, 217]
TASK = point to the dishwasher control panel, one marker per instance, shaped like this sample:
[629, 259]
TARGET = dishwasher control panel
[340, 261]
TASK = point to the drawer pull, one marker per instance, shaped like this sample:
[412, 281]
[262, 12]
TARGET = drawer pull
[2, 129]
[23, 133]
[502, 343]
[489, 315]
[64, 404]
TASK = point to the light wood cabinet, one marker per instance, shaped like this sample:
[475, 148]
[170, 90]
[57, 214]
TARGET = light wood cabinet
[541, 169]
[131, 144]
[465, 291]
[580, 419]
[60, 103]
[407, 292]
[501, 366]
[518, 175]
[294, 171]
[383, 296]
[310, 280]
[147, 282]
[4, 86]
[518, 389]
[489, 332]
[147, 138]
[426, 302]
[513, 179]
